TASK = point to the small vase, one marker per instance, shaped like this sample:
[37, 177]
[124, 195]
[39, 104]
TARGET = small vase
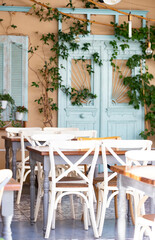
[3, 104]
[19, 116]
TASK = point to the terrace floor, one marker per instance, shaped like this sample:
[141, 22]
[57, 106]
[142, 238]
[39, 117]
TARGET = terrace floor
[66, 227]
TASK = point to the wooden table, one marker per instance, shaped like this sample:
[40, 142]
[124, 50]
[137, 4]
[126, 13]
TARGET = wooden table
[13, 144]
[7, 207]
[136, 178]
[41, 154]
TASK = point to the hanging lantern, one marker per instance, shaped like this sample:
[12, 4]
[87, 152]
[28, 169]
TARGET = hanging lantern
[77, 39]
[110, 2]
[148, 51]
[130, 25]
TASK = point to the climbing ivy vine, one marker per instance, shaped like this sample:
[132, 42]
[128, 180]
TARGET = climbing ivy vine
[141, 92]
[60, 45]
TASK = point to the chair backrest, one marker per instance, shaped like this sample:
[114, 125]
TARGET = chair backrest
[25, 135]
[58, 130]
[13, 131]
[82, 133]
[43, 139]
[113, 145]
[5, 176]
[139, 156]
[62, 147]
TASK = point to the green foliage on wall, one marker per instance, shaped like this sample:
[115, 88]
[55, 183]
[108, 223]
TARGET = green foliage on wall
[141, 92]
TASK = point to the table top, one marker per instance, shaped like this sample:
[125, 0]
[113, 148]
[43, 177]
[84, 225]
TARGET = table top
[44, 151]
[144, 174]
[12, 139]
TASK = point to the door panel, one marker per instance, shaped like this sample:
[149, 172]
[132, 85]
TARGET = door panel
[118, 118]
[76, 75]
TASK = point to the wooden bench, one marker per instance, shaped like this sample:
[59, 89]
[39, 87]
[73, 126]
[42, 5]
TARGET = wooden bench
[7, 207]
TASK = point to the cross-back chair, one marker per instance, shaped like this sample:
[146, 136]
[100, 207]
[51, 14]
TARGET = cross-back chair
[81, 133]
[14, 131]
[83, 187]
[144, 223]
[23, 167]
[58, 130]
[110, 183]
[100, 178]
[43, 139]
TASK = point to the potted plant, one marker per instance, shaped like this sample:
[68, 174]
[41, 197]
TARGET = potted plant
[20, 110]
[4, 99]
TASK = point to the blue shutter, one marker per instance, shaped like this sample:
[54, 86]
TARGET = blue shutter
[14, 70]
[1, 67]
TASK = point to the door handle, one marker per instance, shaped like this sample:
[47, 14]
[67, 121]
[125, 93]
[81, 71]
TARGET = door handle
[82, 115]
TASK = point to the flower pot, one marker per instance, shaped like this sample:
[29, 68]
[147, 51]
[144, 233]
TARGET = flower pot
[19, 116]
[3, 104]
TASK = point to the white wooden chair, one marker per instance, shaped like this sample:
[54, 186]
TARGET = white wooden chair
[100, 179]
[14, 131]
[136, 157]
[58, 130]
[144, 223]
[83, 187]
[23, 167]
[5, 176]
[110, 183]
[81, 133]
[43, 139]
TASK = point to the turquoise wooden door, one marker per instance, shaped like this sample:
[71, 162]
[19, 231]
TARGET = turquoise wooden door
[117, 117]
[109, 114]
[74, 74]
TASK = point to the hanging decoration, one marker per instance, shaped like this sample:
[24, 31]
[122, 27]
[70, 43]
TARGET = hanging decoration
[77, 39]
[148, 51]
[130, 25]
[111, 2]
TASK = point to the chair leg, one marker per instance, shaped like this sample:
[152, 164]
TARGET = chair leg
[85, 215]
[85, 169]
[153, 232]
[72, 206]
[103, 211]
[92, 215]
[131, 209]
[39, 196]
[50, 213]
[21, 186]
[99, 206]
[53, 220]
[137, 231]
[96, 191]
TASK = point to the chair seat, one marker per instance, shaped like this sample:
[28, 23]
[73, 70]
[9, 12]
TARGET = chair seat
[71, 185]
[69, 182]
[150, 217]
[112, 182]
